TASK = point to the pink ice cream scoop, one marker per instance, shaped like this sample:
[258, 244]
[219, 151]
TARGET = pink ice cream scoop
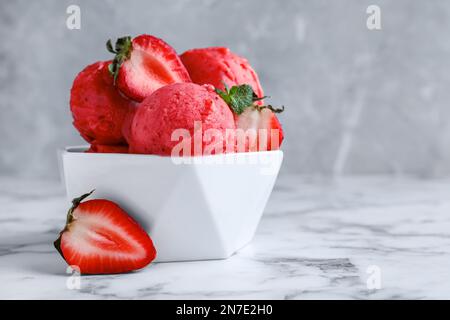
[216, 65]
[179, 112]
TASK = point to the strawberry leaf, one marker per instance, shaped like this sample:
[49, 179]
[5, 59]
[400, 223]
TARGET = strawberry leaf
[122, 51]
[109, 46]
[224, 95]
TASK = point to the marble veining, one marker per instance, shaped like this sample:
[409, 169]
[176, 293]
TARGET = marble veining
[317, 239]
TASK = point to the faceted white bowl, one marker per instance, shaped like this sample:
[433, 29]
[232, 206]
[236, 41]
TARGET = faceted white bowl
[206, 209]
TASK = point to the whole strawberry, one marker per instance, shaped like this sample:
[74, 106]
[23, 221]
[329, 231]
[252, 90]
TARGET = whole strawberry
[100, 237]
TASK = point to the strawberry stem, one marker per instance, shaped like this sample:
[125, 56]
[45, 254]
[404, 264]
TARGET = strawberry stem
[75, 203]
[122, 51]
[256, 98]
[271, 108]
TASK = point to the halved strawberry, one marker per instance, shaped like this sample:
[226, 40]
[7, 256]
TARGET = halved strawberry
[100, 237]
[144, 64]
[258, 128]
[266, 127]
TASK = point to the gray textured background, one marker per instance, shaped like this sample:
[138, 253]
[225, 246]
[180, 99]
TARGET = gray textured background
[358, 101]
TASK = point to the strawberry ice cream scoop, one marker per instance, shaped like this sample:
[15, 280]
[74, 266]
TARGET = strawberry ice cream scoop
[97, 107]
[216, 65]
[127, 122]
[182, 106]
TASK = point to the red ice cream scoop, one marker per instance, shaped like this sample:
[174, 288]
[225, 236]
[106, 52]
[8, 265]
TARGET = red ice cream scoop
[173, 113]
[97, 107]
[216, 65]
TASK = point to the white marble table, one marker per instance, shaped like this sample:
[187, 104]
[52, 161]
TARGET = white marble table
[318, 238]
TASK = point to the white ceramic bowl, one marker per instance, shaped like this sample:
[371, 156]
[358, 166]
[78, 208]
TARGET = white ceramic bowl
[206, 209]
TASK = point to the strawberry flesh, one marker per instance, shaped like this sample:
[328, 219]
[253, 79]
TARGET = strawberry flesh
[264, 124]
[150, 65]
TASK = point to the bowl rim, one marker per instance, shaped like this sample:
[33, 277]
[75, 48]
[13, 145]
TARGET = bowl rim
[79, 150]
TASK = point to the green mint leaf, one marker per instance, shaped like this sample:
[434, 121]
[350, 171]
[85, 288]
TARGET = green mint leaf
[239, 98]
[224, 95]
[225, 86]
